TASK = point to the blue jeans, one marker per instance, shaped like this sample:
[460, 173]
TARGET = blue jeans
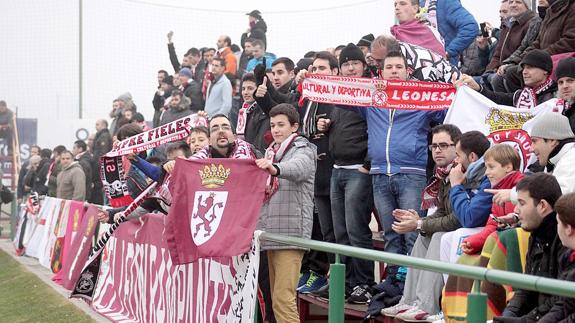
[398, 191]
[351, 205]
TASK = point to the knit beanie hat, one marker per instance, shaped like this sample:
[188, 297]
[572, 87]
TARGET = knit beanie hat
[366, 40]
[565, 68]
[350, 53]
[538, 58]
[551, 125]
[186, 72]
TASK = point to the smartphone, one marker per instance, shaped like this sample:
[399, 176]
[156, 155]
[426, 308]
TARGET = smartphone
[496, 219]
[484, 32]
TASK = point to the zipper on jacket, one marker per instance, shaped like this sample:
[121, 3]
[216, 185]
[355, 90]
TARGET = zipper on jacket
[391, 115]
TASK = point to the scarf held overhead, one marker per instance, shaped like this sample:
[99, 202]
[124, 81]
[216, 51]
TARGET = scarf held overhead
[111, 167]
[366, 92]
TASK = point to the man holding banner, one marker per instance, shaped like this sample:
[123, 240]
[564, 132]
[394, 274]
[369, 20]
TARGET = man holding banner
[397, 146]
[539, 87]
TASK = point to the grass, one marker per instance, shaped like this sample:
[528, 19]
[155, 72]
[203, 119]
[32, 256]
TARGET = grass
[25, 298]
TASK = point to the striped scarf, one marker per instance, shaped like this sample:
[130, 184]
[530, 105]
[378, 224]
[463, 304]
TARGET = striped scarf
[429, 197]
[275, 153]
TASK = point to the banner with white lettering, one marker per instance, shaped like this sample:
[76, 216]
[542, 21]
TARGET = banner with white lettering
[367, 92]
[139, 283]
[501, 124]
[79, 250]
[36, 245]
[52, 232]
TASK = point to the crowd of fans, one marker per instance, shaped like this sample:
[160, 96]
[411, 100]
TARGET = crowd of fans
[436, 192]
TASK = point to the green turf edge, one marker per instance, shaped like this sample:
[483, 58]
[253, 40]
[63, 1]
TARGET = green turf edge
[25, 298]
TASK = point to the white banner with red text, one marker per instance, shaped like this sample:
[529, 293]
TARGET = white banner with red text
[367, 92]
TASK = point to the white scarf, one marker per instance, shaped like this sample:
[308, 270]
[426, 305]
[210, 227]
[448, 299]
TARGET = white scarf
[243, 117]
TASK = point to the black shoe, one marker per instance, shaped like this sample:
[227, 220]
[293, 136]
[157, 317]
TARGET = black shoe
[322, 293]
[361, 294]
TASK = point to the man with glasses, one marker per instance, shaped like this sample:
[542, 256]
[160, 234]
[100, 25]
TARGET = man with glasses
[223, 144]
[461, 201]
[219, 93]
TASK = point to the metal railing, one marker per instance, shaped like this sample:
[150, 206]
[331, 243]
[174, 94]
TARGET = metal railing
[477, 301]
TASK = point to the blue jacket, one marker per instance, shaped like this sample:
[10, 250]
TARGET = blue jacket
[270, 58]
[150, 170]
[457, 27]
[470, 203]
[397, 139]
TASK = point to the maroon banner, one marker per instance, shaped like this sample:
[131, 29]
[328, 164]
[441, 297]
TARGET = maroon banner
[79, 250]
[215, 201]
[138, 282]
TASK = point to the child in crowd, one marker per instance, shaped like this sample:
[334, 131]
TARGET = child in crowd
[199, 138]
[502, 164]
[288, 209]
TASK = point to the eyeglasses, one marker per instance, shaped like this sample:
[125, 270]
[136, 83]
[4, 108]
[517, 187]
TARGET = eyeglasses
[223, 127]
[442, 146]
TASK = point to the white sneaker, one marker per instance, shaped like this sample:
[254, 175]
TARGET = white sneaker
[393, 311]
[414, 315]
[437, 318]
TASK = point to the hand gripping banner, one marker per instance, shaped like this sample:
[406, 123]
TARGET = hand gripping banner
[387, 94]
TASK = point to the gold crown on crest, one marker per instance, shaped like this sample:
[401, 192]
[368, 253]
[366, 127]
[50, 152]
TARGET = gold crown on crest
[381, 86]
[214, 176]
[499, 120]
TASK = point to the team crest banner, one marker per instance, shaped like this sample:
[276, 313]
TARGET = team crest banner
[138, 282]
[501, 124]
[366, 92]
[215, 208]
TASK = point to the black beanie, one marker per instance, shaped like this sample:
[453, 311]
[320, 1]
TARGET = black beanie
[350, 53]
[538, 58]
[565, 68]
[366, 40]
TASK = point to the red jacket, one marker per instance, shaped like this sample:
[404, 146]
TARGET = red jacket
[477, 240]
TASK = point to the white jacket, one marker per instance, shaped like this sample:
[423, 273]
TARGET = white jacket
[564, 170]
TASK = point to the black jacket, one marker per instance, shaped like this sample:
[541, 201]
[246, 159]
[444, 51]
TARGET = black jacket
[511, 98]
[258, 31]
[348, 138]
[258, 128]
[543, 255]
[193, 90]
[324, 167]
[275, 96]
[102, 144]
[88, 166]
[564, 309]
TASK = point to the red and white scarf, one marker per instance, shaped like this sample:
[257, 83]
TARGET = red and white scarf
[275, 153]
[528, 97]
[430, 195]
[243, 117]
[112, 170]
